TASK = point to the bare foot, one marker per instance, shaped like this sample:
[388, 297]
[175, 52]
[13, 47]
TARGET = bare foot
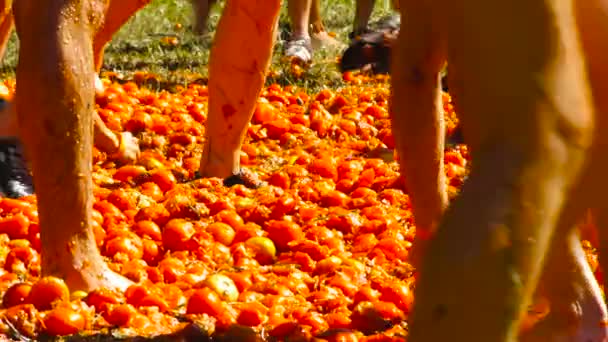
[246, 178]
[322, 39]
[221, 164]
[128, 149]
[582, 321]
[82, 268]
[94, 278]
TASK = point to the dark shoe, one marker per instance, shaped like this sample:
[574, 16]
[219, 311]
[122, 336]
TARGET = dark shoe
[244, 177]
[368, 48]
[15, 178]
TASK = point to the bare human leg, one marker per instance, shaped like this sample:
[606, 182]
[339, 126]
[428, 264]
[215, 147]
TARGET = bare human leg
[319, 36]
[117, 14]
[239, 59]
[299, 45]
[201, 14]
[592, 20]
[363, 12]
[56, 125]
[417, 117]
[578, 311]
[316, 20]
[529, 134]
[568, 280]
[124, 146]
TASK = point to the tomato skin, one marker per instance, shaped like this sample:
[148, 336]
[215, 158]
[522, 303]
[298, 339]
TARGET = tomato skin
[141, 295]
[262, 248]
[16, 295]
[205, 301]
[283, 232]
[16, 226]
[398, 294]
[230, 217]
[64, 321]
[264, 112]
[121, 315]
[100, 298]
[252, 314]
[149, 229]
[176, 234]
[222, 232]
[47, 291]
[164, 179]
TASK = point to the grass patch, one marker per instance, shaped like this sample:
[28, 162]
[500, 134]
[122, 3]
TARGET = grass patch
[138, 45]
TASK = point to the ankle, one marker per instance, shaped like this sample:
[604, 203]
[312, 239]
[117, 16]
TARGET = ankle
[216, 166]
[297, 35]
[317, 28]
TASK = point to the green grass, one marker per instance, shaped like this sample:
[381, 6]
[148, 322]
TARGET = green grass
[138, 47]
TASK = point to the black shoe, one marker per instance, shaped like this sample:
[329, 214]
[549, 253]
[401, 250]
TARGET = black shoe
[15, 178]
[368, 47]
[243, 177]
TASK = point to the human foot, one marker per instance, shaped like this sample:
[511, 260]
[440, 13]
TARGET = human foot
[128, 148]
[581, 321]
[82, 267]
[95, 278]
[321, 40]
[243, 177]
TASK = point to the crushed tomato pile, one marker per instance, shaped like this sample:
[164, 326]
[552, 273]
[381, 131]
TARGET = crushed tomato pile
[321, 252]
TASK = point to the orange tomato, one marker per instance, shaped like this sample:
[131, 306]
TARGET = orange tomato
[283, 232]
[164, 179]
[177, 233]
[205, 301]
[47, 291]
[264, 112]
[252, 314]
[222, 232]
[16, 226]
[63, 321]
[16, 294]
[100, 298]
[121, 315]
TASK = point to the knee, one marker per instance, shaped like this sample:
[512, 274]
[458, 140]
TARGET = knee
[576, 133]
[567, 138]
[556, 152]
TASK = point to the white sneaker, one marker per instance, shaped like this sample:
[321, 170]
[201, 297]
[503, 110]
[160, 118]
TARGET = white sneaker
[300, 49]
